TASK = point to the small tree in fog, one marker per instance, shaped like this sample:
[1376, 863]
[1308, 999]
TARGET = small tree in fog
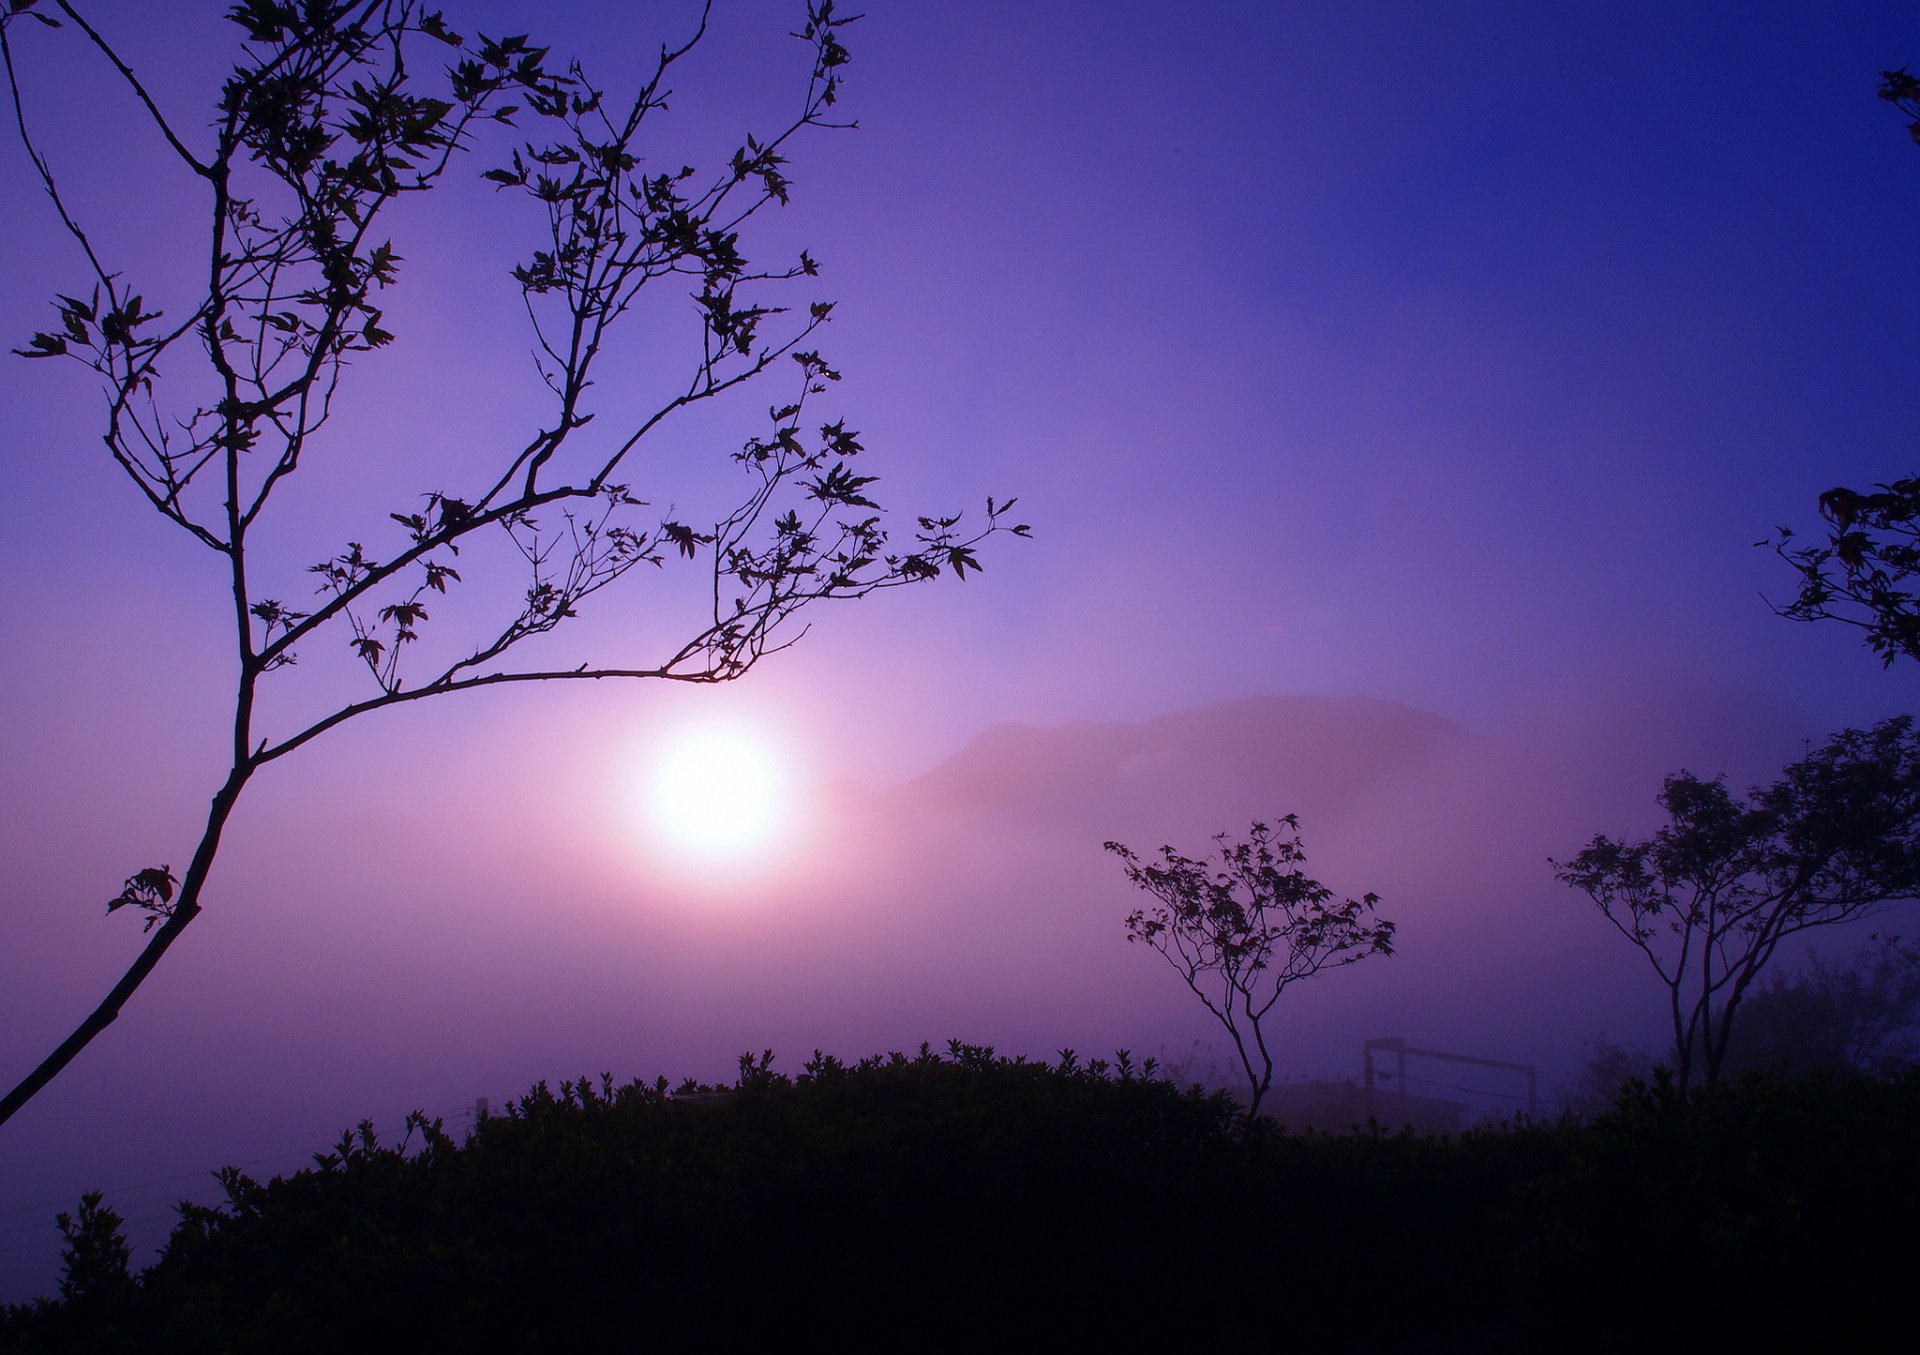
[1605, 1071]
[1854, 1014]
[1710, 898]
[1243, 924]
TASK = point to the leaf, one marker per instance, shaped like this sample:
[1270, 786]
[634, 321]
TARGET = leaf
[841, 485]
[684, 538]
[150, 890]
[43, 346]
[26, 7]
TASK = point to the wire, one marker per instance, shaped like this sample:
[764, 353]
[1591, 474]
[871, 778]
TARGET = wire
[1472, 1091]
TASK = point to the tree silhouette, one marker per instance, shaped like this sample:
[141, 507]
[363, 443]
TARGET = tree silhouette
[1867, 574]
[1902, 90]
[1848, 1014]
[1244, 924]
[335, 111]
[1710, 898]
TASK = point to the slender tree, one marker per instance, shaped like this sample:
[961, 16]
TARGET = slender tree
[335, 111]
[1711, 897]
[1243, 925]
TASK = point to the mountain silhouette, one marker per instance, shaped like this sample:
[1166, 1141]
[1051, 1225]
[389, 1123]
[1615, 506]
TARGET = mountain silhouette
[1257, 756]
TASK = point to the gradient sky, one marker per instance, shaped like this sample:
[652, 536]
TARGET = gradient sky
[1450, 356]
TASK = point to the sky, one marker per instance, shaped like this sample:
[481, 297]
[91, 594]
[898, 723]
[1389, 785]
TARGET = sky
[1396, 392]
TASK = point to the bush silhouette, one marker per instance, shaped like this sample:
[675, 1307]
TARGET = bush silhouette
[964, 1196]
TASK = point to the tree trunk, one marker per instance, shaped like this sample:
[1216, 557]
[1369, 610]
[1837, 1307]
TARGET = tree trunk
[184, 911]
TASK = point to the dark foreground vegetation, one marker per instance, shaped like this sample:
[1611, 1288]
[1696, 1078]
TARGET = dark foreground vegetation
[926, 1200]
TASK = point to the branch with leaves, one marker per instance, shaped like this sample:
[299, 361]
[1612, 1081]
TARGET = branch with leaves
[1867, 573]
[1901, 89]
[337, 110]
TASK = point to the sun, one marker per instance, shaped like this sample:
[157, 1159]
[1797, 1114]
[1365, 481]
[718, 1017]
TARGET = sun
[718, 792]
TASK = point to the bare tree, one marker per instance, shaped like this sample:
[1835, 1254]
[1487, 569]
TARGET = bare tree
[1242, 925]
[1710, 898]
[335, 111]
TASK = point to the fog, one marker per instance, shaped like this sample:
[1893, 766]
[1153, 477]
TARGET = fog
[368, 963]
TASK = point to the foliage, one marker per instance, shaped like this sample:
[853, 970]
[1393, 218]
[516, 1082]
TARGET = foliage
[984, 1195]
[1902, 90]
[1766, 1201]
[1240, 931]
[1867, 574]
[1854, 1014]
[1847, 1015]
[1604, 1074]
[96, 1257]
[576, 1209]
[1710, 898]
[336, 111]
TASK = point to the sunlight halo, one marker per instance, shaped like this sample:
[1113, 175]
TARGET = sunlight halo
[719, 793]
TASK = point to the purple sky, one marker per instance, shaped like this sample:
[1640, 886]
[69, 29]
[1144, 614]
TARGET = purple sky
[1450, 357]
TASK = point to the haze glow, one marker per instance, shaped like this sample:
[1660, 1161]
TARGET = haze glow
[1434, 368]
[719, 794]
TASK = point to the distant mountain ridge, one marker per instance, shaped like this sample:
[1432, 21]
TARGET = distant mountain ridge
[1321, 751]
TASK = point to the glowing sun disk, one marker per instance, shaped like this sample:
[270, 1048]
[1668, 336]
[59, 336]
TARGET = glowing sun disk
[717, 792]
